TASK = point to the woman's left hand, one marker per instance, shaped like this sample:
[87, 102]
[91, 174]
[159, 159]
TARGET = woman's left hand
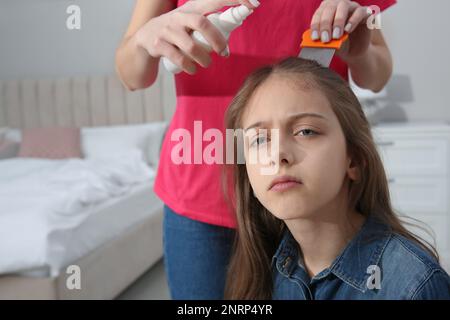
[333, 17]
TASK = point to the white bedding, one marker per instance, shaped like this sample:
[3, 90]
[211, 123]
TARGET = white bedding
[108, 221]
[44, 202]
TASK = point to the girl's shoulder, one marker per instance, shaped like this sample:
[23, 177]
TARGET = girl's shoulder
[413, 270]
[412, 251]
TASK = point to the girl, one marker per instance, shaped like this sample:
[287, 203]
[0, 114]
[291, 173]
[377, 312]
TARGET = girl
[322, 226]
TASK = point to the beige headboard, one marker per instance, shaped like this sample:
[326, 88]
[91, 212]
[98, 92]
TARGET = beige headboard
[82, 101]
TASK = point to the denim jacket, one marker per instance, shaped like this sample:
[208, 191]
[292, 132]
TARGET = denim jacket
[376, 264]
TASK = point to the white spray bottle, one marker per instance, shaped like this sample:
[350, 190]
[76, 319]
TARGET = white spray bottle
[226, 22]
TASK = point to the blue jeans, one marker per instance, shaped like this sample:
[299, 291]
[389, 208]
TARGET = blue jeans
[196, 256]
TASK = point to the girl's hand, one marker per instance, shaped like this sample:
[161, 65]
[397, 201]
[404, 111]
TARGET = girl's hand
[333, 17]
[169, 35]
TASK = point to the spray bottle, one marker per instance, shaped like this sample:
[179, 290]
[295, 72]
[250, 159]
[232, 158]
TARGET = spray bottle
[226, 22]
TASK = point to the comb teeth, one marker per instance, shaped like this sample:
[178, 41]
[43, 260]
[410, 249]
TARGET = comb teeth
[321, 52]
[321, 55]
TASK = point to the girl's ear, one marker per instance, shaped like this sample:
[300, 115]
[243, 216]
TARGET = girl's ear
[353, 170]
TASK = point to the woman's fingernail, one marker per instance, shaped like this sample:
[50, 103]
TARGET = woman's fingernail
[315, 35]
[255, 3]
[325, 36]
[348, 27]
[336, 33]
[225, 52]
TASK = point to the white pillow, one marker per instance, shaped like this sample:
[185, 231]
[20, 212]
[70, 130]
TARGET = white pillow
[154, 144]
[8, 149]
[2, 133]
[103, 141]
[13, 135]
[9, 145]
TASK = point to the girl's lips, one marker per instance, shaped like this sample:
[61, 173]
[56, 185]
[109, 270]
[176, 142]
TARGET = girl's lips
[284, 182]
[281, 186]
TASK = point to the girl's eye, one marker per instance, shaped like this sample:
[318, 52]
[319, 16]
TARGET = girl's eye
[259, 140]
[307, 132]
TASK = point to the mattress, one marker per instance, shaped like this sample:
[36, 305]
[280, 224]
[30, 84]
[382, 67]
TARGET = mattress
[104, 223]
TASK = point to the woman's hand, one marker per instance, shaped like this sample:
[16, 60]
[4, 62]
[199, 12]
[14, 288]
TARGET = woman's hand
[333, 17]
[169, 35]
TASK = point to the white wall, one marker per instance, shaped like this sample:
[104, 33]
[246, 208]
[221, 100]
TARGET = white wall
[417, 33]
[34, 42]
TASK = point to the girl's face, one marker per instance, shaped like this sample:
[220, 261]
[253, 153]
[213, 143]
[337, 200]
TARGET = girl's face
[312, 149]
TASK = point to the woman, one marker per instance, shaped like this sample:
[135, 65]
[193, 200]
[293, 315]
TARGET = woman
[199, 223]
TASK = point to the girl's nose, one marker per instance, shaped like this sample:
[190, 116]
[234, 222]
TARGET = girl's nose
[284, 156]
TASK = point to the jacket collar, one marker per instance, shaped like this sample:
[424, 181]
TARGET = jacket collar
[351, 266]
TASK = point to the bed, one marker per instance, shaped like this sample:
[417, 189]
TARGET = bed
[111, 232]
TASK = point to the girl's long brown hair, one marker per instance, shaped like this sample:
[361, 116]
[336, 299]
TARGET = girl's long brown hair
[258, 231]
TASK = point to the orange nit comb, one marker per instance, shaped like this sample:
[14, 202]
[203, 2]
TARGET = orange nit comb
[336, 44]
[318, 51]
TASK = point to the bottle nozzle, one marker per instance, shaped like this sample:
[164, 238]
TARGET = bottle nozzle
[243, 11]
[236, 15]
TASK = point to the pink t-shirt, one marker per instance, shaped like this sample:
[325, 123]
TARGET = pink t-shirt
[271, 33]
